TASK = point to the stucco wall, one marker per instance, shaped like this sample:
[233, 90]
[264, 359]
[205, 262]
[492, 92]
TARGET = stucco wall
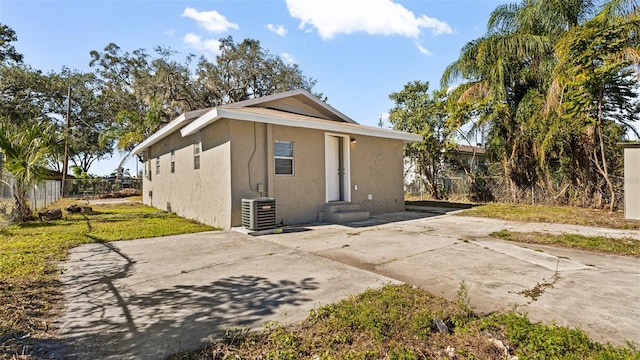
[300, 197]
[248, 165]
[632, 182]
[237, 161]
[204, 194]
[376, 170]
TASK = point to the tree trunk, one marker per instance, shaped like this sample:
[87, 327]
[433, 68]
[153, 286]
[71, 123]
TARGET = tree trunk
[605, 170]
[22, 209]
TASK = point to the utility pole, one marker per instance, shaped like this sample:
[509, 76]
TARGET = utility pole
[65, 161]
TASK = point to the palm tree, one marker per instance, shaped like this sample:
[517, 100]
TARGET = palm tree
[505, 74]
[522, 68]
[594, 87]
[27, 150]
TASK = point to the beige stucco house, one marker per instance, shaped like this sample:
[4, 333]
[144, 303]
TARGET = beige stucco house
[290, 146]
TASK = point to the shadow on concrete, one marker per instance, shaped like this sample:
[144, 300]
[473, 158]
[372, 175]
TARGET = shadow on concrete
[382, 219]
[283, 230]
[107, 320]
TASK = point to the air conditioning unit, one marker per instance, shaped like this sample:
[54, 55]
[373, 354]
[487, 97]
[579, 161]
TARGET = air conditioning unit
[259, 214]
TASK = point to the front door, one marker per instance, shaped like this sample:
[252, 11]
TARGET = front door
[337, 168]
[332, 167]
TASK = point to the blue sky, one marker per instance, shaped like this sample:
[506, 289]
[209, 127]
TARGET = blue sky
[359, 51]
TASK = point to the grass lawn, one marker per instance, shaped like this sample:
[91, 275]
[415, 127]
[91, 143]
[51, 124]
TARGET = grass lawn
[29, 254]
[554, 214]
[601, 244]
[401, 322]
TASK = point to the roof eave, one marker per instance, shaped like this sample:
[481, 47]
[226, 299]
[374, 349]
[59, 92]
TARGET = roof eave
[204, 120]
[220, 113]
[168, 130]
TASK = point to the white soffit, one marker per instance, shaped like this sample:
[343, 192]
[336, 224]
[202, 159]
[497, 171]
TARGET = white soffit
[169, 129]
[275, 117]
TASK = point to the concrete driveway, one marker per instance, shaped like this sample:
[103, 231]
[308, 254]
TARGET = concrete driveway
[145, 299]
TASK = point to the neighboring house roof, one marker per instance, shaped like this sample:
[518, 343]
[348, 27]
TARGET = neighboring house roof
[56, 175]
[471, 149]
[297, 108]
[629, 144]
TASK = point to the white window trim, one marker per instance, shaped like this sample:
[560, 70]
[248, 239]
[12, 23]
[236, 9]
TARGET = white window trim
[197, 144]
[293, 168]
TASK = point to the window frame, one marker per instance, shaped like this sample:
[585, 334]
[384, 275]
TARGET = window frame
[197, 152]
[173, 161]
[282, 157]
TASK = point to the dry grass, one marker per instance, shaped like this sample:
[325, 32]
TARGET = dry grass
[599, 244]
[554, 214]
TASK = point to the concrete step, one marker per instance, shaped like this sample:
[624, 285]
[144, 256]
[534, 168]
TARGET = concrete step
[340, 212]
[346, 216]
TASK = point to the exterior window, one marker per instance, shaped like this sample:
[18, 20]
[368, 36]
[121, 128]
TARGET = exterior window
[196, 156]
[283, 153]
[173, 161]
[158, 166]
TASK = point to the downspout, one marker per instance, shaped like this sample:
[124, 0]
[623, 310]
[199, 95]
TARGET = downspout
[269, 160]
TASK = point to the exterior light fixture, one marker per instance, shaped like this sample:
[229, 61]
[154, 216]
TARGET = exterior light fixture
[353, 141]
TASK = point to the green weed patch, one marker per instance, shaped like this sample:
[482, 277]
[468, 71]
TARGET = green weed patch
[400, 322]
[29, 254]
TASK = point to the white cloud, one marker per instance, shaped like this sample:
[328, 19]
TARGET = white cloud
[375, 17]
[288, 58]
[423, 49]
[278, 29]
[209, 46]
[169, 32]
[212, 21]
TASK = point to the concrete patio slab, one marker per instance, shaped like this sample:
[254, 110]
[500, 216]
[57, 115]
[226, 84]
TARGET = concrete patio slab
[596, 292]
[145, 299]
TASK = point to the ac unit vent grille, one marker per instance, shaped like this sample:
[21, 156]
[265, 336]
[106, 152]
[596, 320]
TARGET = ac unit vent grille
[259, 214]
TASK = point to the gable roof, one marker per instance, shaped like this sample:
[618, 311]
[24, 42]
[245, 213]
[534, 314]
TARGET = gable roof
[297, 101]
[297, 108]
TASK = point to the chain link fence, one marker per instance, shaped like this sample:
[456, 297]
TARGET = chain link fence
[40, 196]
[99, 187]
[497, 188]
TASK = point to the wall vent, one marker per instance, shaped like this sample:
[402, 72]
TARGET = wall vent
[259, 214]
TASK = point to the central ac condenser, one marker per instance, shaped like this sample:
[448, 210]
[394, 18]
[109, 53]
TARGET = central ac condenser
[259, 214]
